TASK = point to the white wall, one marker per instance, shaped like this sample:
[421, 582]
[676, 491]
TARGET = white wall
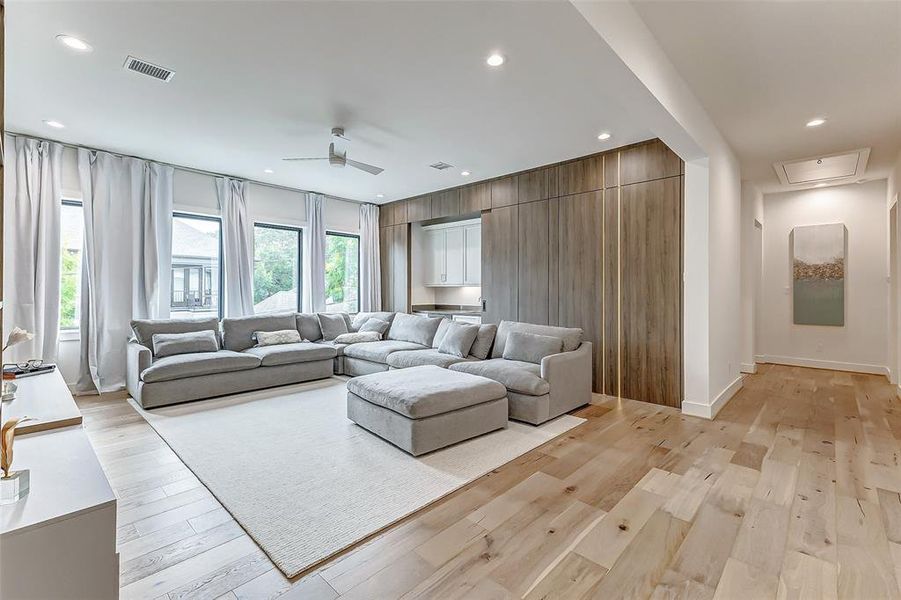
[751, 212]
[196, 193]
[861, 345]
[893, 195]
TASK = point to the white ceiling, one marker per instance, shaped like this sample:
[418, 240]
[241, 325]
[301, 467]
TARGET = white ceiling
[762, 70]
[257, 81]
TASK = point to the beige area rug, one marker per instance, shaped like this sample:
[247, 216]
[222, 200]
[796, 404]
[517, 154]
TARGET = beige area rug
[305, 482]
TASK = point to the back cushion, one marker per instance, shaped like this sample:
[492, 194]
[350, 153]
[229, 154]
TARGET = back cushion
[237, 332]
[413, 328]
[360, 319]
[570, 336]
[333, 325]
[531, 347]
[145, 328]
[170, 344]
[482, 346]
[441, 332]
[308, 326]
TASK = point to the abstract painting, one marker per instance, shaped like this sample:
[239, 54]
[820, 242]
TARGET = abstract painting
[818, 273]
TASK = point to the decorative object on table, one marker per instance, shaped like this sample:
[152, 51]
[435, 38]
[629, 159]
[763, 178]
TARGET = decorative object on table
[17, 336]
[27, 369]
[13, 484]
[818, 274]
[9, 391]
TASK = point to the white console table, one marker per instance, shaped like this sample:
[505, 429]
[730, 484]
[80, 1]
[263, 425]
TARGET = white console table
[60, 540]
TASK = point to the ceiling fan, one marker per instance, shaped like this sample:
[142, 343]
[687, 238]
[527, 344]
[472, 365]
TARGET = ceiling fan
[337, 154]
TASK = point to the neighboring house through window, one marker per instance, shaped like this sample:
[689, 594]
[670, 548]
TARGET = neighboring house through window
[196, 266]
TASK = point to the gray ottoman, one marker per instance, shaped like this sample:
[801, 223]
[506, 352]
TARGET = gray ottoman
[421, 409]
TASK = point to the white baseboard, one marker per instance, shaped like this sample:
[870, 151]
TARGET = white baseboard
[749, 368]
[828, 364]
[709, 411]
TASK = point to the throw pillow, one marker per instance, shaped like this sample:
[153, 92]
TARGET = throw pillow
[276, 338]
[531, 347]
[459, 339]
[332, 325]
[358, 337]
[376, 325]
[482, 346]
[413, 328]
[170, 344]
[439, 334]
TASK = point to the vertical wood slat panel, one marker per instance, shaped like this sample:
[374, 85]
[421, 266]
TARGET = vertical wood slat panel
[386, 244]
[400, 254]
[610, 304]
[553, 261]
[533, 279]
[504, 192]
[475, 198]
[651, 291]
[419, 209]
[500, 269]
[446, 203]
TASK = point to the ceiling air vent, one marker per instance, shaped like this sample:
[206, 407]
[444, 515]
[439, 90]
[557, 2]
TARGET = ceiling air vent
[441, 166]
[151, 70]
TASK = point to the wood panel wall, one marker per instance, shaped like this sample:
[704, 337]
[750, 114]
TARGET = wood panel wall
[594, 242]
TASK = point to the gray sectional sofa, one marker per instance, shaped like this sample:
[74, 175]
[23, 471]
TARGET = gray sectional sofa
[546, 370]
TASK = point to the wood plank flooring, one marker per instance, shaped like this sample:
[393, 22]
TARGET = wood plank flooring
[792, 492]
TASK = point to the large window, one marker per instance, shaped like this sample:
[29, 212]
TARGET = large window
[277, 257]
[196, 266]
[342, 272]
[71, 244]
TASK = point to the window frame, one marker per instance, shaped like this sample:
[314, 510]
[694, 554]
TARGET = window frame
[73, 333]
[300, 233]
[217, 219]
[355, 236]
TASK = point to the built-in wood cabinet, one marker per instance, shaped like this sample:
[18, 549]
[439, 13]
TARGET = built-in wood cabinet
[394, 262]
[452, 255]
[594, 242]
[472, 255]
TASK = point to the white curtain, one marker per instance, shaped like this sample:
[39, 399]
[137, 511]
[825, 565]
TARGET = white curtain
[314, 255]
[370, 266]
[127, 258]
[237, 229]
[32, 245]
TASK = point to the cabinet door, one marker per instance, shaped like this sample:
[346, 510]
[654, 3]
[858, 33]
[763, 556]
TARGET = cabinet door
[400, 268]
[435, 257]
[472, 255]
[533, 262]
[446, 203]
[453, 256]
[500, 257]
[386, 242]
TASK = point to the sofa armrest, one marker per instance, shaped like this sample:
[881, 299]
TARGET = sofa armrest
[139, 357]
[569, 375]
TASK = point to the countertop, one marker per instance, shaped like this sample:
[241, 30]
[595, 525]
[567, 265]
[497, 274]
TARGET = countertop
[444, 309]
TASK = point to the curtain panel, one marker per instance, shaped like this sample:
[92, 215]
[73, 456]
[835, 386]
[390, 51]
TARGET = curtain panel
[127, 258]
[314, 255]
[370, 265]
[31, 275]
[237, 236]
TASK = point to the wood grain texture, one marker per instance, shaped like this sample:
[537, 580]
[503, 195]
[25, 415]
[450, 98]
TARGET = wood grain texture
[651, 291]
[532, 185]
[610, 304]
[500, 264]
[400, 268]
[583, 175]
[475, 198]
[534, 272]
[504, 192]
[386, 264]
[579, 272]
[646, 162]
[419, 209]
[400, 212]
[386, 214]
[446, 203]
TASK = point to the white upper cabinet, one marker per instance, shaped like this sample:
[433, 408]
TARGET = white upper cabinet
[453, 255]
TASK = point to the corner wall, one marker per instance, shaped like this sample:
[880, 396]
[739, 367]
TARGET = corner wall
[751, 257]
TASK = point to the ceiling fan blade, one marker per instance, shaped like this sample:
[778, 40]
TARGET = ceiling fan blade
[364, 167]
[307, 158]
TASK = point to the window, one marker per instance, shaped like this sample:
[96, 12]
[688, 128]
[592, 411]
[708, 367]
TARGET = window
[276, 268]
[71, 244]
[342, 272]
[196, 266]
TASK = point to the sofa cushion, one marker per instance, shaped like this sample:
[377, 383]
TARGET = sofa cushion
[482, 346]
[440, 332]
[531, 347]
[285, 354]
[424, 391]
[145, 328]
[202, 363]
[276, 338]
[571, 336]
[378, 351]
[360, 318]
[516, 376]
[237, 332]
[413, 328]
[458, 339]
[170, 344]
[333, 325]
[358, 337]
[417, 358]
[339, 348]
[308, 326]
[374, 325]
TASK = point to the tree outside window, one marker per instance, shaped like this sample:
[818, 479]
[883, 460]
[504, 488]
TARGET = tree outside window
[276, 268]
[342, 273]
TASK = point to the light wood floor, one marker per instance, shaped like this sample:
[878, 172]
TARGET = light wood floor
[793, 491]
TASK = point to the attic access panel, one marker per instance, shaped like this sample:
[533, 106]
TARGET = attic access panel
[844, 165]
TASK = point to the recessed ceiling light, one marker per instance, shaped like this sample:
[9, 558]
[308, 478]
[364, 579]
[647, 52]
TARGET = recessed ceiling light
[495, 60]
[380, 195]
[815, 122]
[465, 173]
[74, 43]
[54, 124]
[268, 171]
[604, 136]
